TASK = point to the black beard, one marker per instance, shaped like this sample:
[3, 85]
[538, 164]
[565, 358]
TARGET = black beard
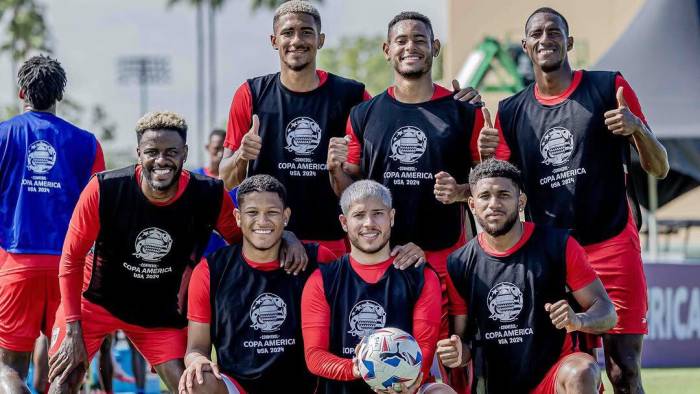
[147, 177]
[412, 74]
[552, 68]
[502, 230]
[369, 251]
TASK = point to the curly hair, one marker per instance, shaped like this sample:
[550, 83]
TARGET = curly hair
[161, 120]
[493, 168]
[43, 81]
[297, 7]
[261, 183]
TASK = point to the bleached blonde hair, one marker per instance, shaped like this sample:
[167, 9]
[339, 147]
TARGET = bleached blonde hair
[297, 7]
[162, 120]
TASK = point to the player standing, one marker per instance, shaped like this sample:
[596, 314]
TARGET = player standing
[362, 291]
[570, 133]
[242, 303]
[513, 282]
[416, 140]
[149, 225]
[215, 150]
[42, 171]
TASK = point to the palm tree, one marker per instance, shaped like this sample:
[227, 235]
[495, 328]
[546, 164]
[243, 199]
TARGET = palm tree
[25, 31]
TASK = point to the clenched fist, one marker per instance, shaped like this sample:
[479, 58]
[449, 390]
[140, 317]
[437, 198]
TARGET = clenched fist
[337, 152]
[563, 316]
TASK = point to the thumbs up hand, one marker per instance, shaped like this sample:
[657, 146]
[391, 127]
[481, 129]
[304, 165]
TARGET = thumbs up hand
[252, 142]
[488, 137]
[621, 121]
[450, 351]
[337, 152]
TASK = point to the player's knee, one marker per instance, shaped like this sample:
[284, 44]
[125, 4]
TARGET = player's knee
[11, 382]
[580, 375]
[436, 388]
[211, 385]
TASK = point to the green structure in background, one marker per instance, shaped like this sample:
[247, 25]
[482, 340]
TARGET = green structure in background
[489, 52]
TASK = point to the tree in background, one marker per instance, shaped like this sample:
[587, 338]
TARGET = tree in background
[24, 31]
[361, 58]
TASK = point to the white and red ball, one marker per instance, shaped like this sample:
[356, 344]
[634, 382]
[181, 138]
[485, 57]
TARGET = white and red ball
[389, 356]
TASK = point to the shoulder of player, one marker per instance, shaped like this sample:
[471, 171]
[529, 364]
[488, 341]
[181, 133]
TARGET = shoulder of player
[365, 106]
[517, 96]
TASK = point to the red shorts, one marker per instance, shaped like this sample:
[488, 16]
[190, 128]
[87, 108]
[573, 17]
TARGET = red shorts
[28, 303]
[548, 385]
[157, 345]
[438, 261]
[618, 263]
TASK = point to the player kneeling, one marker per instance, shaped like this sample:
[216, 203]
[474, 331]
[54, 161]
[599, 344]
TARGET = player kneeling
[352, 297]
[243, 303]
[513, 281]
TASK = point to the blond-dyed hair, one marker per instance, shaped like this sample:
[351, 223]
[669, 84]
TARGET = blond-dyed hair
[161, 120]
[297, 7]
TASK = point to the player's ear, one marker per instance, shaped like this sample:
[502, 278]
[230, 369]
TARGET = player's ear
[186, 149]
[343, 222]
[392, 213]
[237, 215]
[321, 40]
[138, 154]
[385, 49]
[523, 45]
[470, 203]
[436, 47]
[569, 43]
[287, 215]
[522, 201]
[273, 41]
[21, 94]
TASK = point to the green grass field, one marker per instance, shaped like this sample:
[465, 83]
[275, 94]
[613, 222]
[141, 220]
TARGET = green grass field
[667, 381]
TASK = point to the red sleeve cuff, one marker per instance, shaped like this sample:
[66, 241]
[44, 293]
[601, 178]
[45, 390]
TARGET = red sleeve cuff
[239, 118]
[354, 147]
[579, 272]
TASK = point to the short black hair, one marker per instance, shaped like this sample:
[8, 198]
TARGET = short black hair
[43, 81]
[413, 16]
[493, 168]
[548, 10]
[220, 132]
[261, 183]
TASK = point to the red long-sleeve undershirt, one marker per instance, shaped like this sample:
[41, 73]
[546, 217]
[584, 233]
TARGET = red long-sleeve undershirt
[84, 228]
[18, 262]
[198, 301]
[355, 147]
[316, 316]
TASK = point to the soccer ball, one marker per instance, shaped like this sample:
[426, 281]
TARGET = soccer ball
[389, 356]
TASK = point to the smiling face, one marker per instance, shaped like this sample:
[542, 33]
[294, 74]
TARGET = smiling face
[297, 39]
[496, 202]
[262, 217]
[546, 42]
[368, 224]
[161, 154]
[409, 48]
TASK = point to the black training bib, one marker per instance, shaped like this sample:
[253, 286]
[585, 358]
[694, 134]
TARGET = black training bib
[295, 129]
[573, 166]
[403, 147]
[358, 308]
[513, 341]
[143, 251]
[256, 323]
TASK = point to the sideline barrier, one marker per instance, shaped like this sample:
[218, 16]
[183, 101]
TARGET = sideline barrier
[674, 315]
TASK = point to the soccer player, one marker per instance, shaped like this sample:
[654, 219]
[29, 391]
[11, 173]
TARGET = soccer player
[149, 224]
[362, 291]
[281, 124]
[513, 281]
[417, 141]
[247, 308]
[44, 164]
[570, 133]
[215, 149]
